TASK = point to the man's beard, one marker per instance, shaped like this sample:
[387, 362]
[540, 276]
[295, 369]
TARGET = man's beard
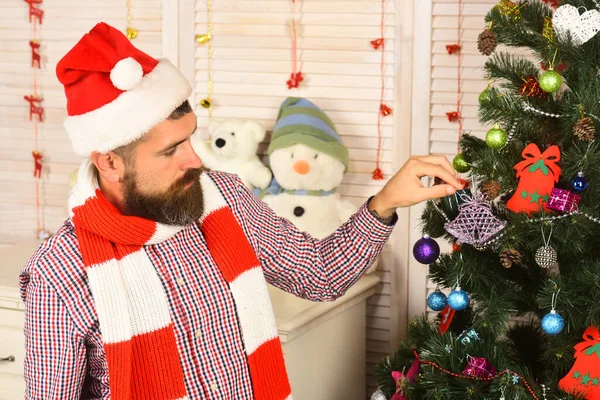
[177, 206]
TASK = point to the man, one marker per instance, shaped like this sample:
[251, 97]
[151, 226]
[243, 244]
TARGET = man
[155, 287]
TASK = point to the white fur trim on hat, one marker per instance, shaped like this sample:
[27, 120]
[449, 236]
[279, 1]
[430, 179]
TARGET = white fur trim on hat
[132, 114]
[126, 74]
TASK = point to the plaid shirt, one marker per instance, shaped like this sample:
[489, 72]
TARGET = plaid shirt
[65, 358]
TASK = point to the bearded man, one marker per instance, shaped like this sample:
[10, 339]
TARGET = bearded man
[155, 287]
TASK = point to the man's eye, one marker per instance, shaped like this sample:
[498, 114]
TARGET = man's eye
[170, 152]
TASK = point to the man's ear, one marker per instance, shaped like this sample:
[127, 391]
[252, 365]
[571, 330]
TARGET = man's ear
[110, 166]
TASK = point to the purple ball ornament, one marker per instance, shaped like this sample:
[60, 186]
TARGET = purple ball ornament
[426, 250]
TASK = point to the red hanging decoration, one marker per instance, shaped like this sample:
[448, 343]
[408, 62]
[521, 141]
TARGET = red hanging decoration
[447, 315]
[453, 116]
[34, 107]
[34, 12]
[551, 3]
[384, 110]
[584, 375]
[531, 88]
[37, 164]
[560, 68]
[456, 247]
[35, 53]
[456, 116]
[296, 76]
[295, 80]
[537, 174]
[453, 48]
[377, 43]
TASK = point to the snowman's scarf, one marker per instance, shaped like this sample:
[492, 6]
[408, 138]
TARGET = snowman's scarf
[274, 188]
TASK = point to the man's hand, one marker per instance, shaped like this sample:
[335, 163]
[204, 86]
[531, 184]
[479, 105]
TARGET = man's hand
[405, 188]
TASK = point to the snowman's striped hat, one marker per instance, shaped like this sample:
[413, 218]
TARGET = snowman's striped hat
[301, 122]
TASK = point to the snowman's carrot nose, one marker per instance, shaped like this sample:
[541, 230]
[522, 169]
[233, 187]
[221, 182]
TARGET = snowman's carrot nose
[301, 167]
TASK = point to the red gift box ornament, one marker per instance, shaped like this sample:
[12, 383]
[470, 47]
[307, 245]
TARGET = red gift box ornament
[584, 377]
[479, 367]
[537, 175]
[563, 200]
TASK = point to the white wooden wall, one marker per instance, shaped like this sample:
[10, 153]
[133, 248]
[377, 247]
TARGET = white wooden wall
[437, 95]
[63, 25]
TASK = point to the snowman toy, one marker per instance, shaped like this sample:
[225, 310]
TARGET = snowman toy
[308, 161]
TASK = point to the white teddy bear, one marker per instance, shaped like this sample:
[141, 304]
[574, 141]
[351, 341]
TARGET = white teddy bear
[232, 148]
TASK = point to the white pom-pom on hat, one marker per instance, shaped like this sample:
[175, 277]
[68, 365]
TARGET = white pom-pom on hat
[126, 74]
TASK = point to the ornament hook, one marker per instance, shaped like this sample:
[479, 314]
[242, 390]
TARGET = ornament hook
[554, 299]
[546, 242]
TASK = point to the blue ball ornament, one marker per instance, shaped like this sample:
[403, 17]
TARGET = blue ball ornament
[437, 301]
[458, 299]
[426, 250]
[579, 183]
[553, 323]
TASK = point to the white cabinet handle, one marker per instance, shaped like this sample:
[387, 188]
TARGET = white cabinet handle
[8, 359]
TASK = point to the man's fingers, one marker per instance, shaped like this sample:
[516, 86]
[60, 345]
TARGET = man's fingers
[427, 169]
[434, 192]
[442, 161]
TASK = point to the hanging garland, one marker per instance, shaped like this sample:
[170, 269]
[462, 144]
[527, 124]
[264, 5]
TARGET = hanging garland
[456, 49]
[296, 77]
[36, 112]
[384, 110]
[130, 32]
[206, 39]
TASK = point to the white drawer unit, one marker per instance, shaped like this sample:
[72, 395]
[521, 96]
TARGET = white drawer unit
[12, 318]
[323, 343]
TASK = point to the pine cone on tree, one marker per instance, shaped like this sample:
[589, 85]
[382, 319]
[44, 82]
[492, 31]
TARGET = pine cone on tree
[584, 129]
[510, 257]
[487, 42]
[491, 188]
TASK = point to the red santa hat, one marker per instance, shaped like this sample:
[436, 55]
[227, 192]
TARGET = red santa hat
[115, 92]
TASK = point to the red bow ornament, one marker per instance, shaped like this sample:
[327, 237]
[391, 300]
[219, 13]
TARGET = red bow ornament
[377, 43]
[584, 377]
[295, 80]
[453, 116]
[453, 48]
[402, 380]
[538, 173]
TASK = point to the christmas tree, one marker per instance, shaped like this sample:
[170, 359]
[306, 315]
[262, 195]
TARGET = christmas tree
[522, 313]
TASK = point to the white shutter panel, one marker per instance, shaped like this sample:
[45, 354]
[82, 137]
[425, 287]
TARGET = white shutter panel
[64, 23]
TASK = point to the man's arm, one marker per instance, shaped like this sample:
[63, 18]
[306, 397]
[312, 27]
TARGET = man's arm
[319, 270]
[325, 269]
[56, 358]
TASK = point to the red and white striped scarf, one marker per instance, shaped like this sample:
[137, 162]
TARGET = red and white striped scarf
[136, 325]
